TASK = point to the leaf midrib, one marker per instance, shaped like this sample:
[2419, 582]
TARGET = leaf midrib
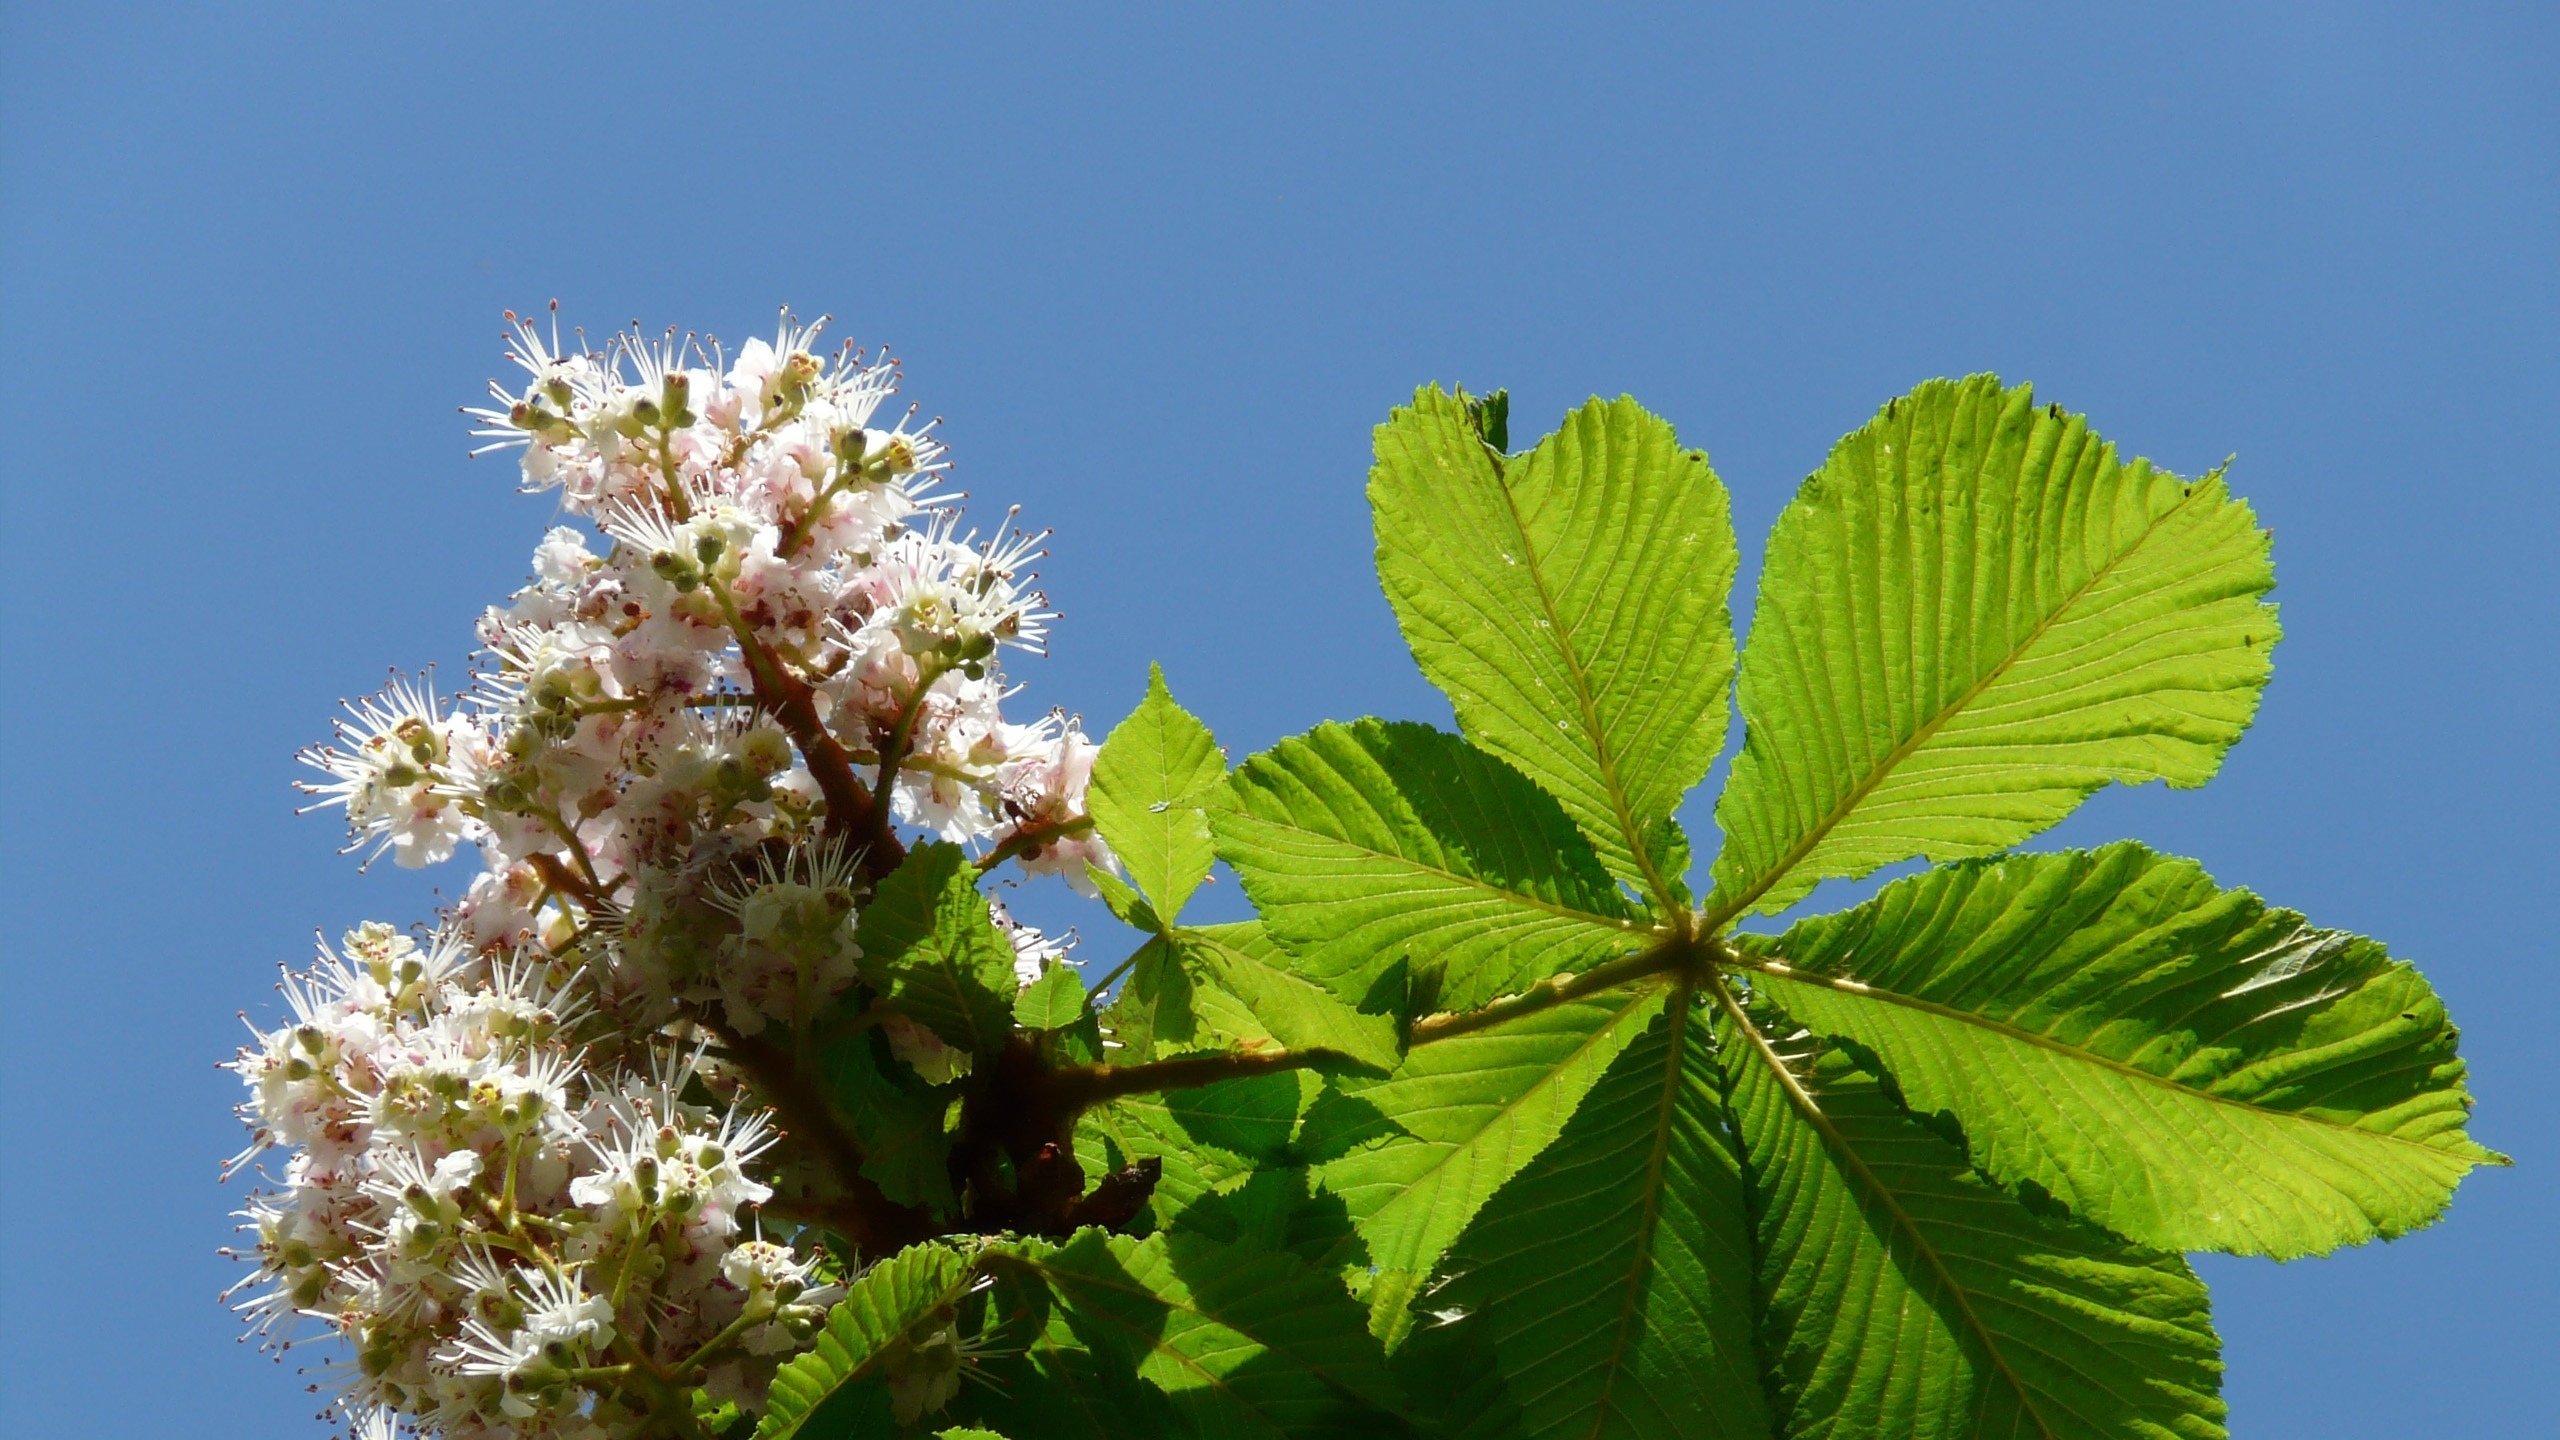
[1586, 703]
[1812, 839]
[1674, 1054]
[1813, 1115]
[1862, 991]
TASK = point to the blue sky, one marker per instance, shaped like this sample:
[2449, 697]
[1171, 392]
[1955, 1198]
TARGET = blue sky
[1162, 271]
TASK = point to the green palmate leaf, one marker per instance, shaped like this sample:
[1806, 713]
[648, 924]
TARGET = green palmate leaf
[1376, 845]
[835, 1387]
[928, 945]
[966, 1432]
[1148, 783]
[1904, 1295]
[1243, 1341]
[1415, 1155]
[1053, 1000]
[1971, 617]
[2172, 1060]
[1572, 602]
[1608, 1284]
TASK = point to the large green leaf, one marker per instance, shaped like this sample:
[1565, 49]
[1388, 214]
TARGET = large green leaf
[1148, 784]
[1971, 617]
[1904, 1295]
[1572, 602]
[832, 1388]
[1610, 1281]
[1374, 843]
[929, 946]
[1415, 1155]
[1245, 1341]
[2172, 1060]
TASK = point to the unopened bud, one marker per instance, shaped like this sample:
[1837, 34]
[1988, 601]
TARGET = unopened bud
[675, 569]
[894, 456]
[765, 750]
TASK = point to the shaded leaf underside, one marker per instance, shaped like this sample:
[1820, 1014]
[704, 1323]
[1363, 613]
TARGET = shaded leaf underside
[1611, 1279]
[1904, 1295]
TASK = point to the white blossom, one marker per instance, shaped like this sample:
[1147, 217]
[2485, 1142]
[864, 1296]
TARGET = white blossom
[506, 1158]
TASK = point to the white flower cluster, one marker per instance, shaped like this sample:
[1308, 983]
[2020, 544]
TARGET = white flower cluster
[760, 646]
[503, 1230]
[773, 607]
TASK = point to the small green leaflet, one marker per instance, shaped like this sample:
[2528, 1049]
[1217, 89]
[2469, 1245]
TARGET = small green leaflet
[1148, 782]
[1241, 961]
[1053, 1001]
[1226, 986]
[901, 1299]
[897, 1117]
[2172, 1060]
[930, 948]
[1572, 602]
[1376, 845]
[1970, 618]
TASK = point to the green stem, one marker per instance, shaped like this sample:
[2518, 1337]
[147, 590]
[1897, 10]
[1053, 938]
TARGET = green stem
[1081, 1086]
[747, 1319]
[1673, 953]
[893, 751]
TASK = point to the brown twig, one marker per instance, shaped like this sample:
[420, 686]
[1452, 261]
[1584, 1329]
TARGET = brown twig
[561, 878]
[794, 704]
[1032, 837]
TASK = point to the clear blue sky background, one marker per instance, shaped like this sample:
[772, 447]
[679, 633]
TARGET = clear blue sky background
[1163, 271]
